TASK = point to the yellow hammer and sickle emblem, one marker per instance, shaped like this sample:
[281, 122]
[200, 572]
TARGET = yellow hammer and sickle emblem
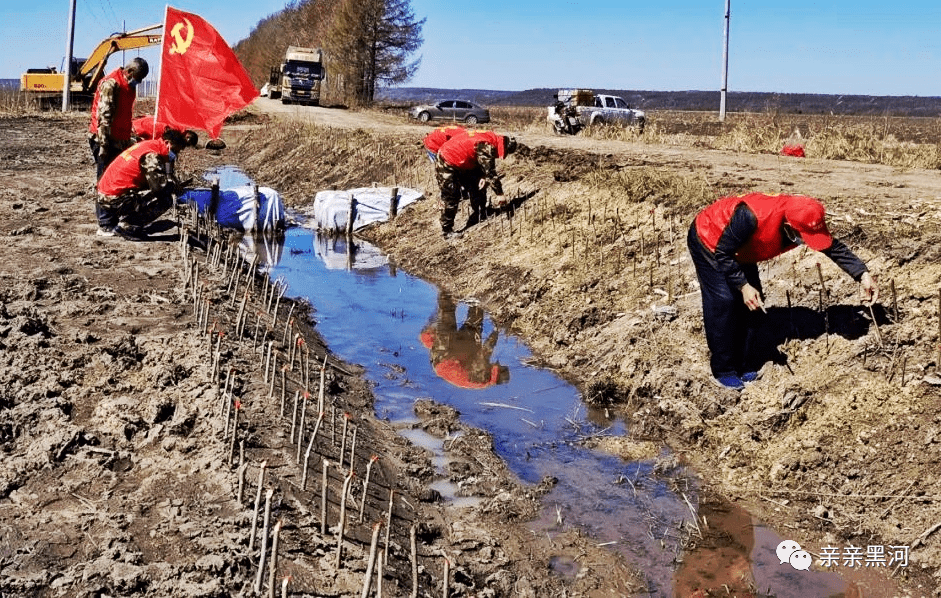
[181, 45]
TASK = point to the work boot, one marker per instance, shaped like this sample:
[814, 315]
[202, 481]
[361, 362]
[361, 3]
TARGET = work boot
[130, 232]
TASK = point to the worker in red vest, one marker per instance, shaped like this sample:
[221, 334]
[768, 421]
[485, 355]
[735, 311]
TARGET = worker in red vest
[110, 131]
[138, 186]
[467, 163]
[144, 129]
[461, 355]
[434, 140]
[726, 242]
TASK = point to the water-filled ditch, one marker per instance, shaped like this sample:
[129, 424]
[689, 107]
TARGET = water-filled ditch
[416, 342]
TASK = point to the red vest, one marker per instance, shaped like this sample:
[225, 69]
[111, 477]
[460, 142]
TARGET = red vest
[767, 242]
[123, 109]
[144, 127]
[434, 140]
[460, 151]
[454, 372]
[125, 173]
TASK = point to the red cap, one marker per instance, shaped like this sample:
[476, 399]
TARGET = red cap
[808, 217]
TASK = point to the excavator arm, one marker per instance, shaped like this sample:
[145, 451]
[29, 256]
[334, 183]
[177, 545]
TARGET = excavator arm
[93, 69]
[86, 77]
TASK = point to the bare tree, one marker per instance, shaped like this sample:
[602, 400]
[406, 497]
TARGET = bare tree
[301, 23]
[369, 44]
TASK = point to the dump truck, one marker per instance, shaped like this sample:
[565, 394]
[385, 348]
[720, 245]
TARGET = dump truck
[86, 73]
[299, 77]
[591, 109]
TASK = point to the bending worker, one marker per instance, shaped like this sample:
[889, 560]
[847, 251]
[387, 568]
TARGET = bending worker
[145, 127]
[726, 242]
[139, 186]
[434, 140]
[467, 163]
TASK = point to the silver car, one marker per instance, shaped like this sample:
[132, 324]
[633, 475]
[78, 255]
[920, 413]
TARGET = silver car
[453, 110]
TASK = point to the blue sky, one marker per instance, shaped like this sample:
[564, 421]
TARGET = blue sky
[797, 46]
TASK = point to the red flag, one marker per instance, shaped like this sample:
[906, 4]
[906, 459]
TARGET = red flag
[201, 80]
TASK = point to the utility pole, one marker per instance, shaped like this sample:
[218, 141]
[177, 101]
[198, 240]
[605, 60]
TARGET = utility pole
[725, 61]
[67, 76]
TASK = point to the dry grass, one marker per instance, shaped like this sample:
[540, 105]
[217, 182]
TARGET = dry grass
[14, 103]
[905, 142]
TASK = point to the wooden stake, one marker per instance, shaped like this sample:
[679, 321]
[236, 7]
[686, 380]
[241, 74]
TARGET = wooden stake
[346, 423]
[297, 395]
[242, 469]
[367, 580]
[274, 368]
[274, 560]
[268, 359]
[235, 428]
[362, 503]
[895, 304]
[300, 427]
[341, 527]
[323, 500]
[823, 287]
[353, 446]
[414, 544]
[261, 484]
[385, 547]
[447, 576]
[283, 387]
[323, 374]
[310, 446]
[264, 541]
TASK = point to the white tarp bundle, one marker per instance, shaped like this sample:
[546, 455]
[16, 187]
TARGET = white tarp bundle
[331, 209]
[338, 254]
[239, 210]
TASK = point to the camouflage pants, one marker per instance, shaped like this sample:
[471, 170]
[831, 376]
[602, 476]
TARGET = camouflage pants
[454, 184]
[134, 208]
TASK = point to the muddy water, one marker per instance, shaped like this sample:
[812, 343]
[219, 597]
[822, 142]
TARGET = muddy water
[416, 342]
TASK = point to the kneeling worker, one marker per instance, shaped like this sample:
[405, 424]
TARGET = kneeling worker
[139, 186]
[726, 242]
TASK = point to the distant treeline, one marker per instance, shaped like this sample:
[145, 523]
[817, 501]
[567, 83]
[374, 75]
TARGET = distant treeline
[736, 101]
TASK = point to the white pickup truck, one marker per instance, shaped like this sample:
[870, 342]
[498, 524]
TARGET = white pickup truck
[599, 109]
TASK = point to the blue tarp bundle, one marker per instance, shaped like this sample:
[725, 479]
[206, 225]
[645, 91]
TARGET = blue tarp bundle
[237, 210]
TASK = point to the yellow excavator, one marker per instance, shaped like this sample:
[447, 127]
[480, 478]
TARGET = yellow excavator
[85, 74]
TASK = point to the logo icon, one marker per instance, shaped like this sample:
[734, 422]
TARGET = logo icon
[181, 44]
[790, 552]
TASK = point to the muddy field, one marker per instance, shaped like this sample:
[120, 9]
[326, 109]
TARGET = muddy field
[120, 475]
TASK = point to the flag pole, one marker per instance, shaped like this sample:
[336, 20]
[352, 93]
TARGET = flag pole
[166, 12]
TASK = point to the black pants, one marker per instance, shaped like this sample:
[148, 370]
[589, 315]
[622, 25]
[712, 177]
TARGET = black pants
[731, 328]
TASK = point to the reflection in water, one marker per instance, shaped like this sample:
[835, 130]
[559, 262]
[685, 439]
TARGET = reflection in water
[265, 250]
[371, 316]
[461, 355]
[340, 253]
[721, 560]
